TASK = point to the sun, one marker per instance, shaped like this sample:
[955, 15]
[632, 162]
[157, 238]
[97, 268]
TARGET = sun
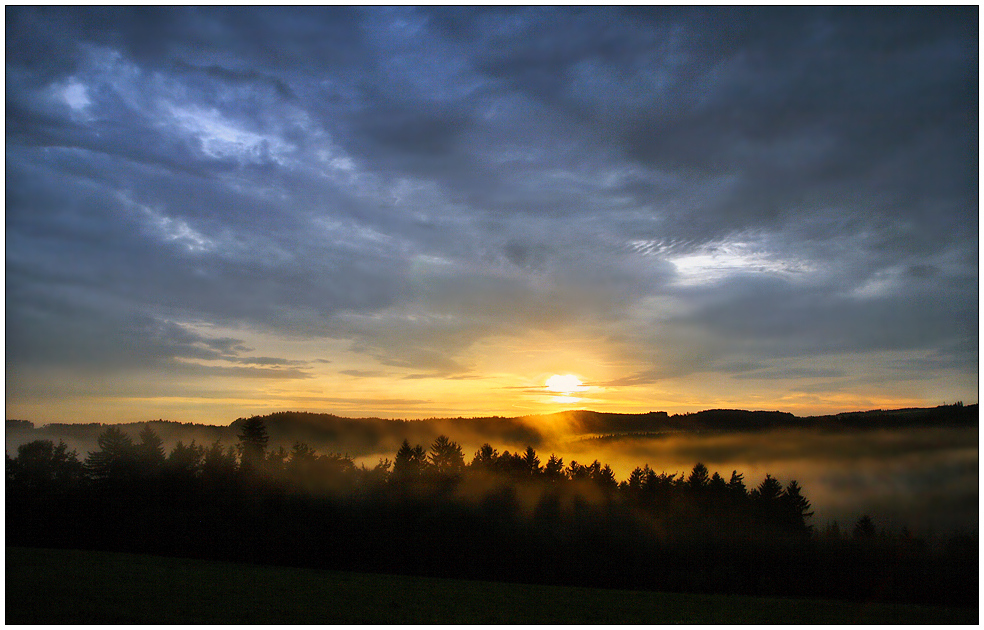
[565, 384]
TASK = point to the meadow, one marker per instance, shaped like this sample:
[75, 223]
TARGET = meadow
[49, 586]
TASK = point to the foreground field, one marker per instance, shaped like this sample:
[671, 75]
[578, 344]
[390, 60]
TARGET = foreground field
[46, 586]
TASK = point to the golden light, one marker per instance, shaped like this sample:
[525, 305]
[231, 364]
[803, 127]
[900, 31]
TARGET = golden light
[565, 384]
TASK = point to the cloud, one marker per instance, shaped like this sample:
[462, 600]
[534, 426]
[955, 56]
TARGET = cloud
[692, 188]
[791, 373]
[362, 373]
[195, 369]
[247, 78]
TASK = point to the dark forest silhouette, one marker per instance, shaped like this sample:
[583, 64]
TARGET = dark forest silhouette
[500, 516]
[368, 436]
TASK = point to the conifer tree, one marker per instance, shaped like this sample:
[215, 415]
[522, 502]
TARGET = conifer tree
[115, 460]
[408, 463]
[553, 470]
[446, 457]
[485, 458]
[253, 440]
[796, 508]
[531, 463]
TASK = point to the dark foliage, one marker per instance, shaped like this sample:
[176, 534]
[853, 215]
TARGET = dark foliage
[253, 439]
[374, 435]
[507, 516]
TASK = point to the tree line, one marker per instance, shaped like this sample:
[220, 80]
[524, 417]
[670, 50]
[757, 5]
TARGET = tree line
[499, 516]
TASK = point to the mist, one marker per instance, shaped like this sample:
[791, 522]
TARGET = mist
[923, 477]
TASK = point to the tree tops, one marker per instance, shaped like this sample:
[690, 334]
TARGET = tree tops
[120, 460]
[430, 512]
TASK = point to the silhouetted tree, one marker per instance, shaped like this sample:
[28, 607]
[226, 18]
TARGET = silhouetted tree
[604, 477]
[218, 465]
[633, 486]
[737, 484]
[115, 460]
[832, 531]
[511, 465]
[658, 489]
[253, 440]
[298, 464]
[41, 467]
[485, 458]
[766, 499]
[553, 470]
[768, 491]
[328, 474]
[184, 461]
[446, 457]
[717, 485]
[698, 478]
[276, 461]
[409, 463]
[577, 471]
[795, 509]
[375, 478]
[864, 528]
[531, 463]
[149, 453]
[636, 479]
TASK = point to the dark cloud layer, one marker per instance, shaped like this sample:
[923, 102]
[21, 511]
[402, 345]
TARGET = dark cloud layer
[700, 190]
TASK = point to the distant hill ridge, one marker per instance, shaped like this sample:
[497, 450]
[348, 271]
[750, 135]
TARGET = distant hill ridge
[362, 436]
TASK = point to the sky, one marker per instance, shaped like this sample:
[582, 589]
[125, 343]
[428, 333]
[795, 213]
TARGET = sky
[418, 212]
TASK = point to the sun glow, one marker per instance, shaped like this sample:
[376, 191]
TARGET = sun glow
[565, 385]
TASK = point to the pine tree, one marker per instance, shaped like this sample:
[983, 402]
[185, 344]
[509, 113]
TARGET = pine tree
[864, 528]
[485, 458]
[604, 476]
[185, 461]
[40, 467]
[737, 484]
[218, 465]
[531, 462]
[149, 452]
[767, 501]
[115, 459]
[409, 463]
[768, 491]
[796, 508]
[577, 471]
[446, 457]
[253, 440]
[553, 470]
[717, 485]
[698, 478]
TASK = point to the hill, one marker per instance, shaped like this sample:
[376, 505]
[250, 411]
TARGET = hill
[368, 436]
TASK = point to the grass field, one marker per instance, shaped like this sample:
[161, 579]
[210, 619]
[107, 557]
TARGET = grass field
[46, 586]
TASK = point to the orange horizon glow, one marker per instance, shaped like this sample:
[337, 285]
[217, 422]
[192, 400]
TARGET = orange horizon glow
[447, 401]
[529, 374]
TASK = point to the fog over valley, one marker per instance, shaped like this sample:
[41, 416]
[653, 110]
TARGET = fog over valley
[912, 468]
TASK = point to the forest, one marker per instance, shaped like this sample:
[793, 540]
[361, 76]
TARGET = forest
[504, 516]
[367, 436]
